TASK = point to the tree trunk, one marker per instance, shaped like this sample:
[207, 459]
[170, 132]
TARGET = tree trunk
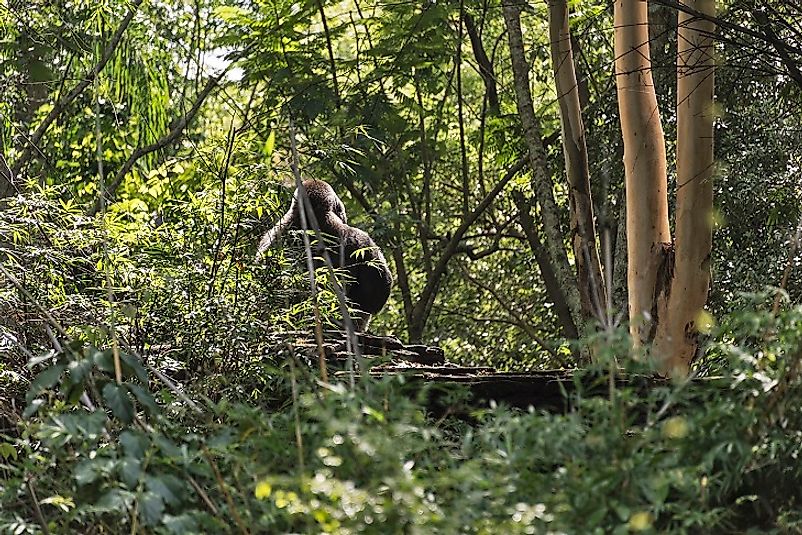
[485, 66]
[675, 341]
[592, 295]
[553, 289]
[648, 234]
[542, 184]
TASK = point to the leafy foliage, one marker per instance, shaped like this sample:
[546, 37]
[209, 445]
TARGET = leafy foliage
[161, 278]
[706, 456]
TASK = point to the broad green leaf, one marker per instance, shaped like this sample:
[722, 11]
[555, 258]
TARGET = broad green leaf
[145, 398]
[151, 508]
[180, 524]
[113, 501]
[8, 451]
[117, 399]
[77, 370]
[270, 144]
[131, 472]
[104, 360]
[134, 443]
[163, 488]
[133, 365]
[44, 380]
[230, 13]
[32, 408]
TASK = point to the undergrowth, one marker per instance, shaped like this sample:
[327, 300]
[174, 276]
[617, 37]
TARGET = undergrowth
[237, 435]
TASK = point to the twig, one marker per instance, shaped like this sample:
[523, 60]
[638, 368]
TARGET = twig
[115, 346]
[425, 301]
[299, 443]
[788, 267]
[36, 509]
[50, 319]
[520, 322]
[164, 379]
[203, 495]
[224, 490]
[721, 23]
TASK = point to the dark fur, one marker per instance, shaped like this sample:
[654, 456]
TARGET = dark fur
[367, 286]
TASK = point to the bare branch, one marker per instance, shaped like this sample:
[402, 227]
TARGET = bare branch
[424, 303]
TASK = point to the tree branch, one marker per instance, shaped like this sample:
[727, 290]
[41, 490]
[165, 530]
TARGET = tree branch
[159, 144]
[519, 320]
[426, 299]
[788, 61]
[486, 70]
[737, 28]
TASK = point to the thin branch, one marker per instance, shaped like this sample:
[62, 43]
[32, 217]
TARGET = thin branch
[36, 508]
[788, 61]
[737, 28]
[424, 304]
[519, 321]
[63, 333]
[227, 495]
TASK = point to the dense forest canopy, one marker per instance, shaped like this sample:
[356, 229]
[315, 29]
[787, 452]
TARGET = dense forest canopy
[545, 180]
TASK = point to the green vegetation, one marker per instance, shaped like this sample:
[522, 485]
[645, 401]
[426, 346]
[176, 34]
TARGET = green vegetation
[148, 380]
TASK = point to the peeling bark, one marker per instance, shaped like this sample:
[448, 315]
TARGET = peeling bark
[675, 340]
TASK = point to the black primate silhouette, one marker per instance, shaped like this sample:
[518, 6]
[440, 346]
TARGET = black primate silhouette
[368, 281]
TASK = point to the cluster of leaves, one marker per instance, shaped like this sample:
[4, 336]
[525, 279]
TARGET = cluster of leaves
[682, 457]
[147, 276]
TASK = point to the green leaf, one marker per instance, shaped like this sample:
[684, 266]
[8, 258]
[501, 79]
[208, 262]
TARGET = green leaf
[73, 393]
[132, 365]
[180, 524]
[44, 380]
[104, 360]
[168, 448]
[77, 370]
[151, 508]
[8, 451]
[35, 361]
[32, 408]
[230, 13]
[130, 472]
[162, 487]
[145, 398]
[134, 443]
[113, 501]
[117, 399]
[90, 470]
[270, 144]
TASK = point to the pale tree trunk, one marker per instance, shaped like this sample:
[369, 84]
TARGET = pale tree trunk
[541, 181]
[589, 278]
[648, 234]
[675, 340]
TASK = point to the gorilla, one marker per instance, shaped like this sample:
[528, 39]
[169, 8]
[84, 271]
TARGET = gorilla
[368, 278]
